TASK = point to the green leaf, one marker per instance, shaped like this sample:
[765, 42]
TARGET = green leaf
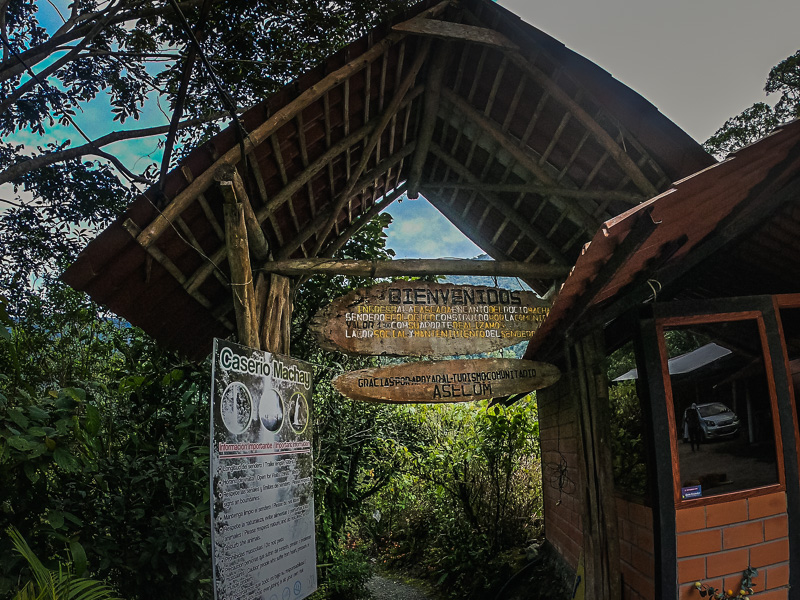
[92, 420]
[65, 460]
[20, 443]
[56, 519]
[78, 558]
[18, 417]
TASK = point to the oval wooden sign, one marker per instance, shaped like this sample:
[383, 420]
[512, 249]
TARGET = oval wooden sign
[416, 318]
[447, 380]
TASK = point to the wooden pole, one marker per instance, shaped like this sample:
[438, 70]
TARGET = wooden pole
[599, 516]
[413, 268]
[276, 319]
[244, 300]
[257, 241]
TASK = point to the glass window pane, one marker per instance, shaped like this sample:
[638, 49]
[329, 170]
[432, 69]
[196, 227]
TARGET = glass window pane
[723, 408]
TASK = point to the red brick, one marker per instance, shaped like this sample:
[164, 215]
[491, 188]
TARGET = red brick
[780, 594]
[718, 515]
[644, 539]
[747, 534]
[726, 563]
[770, 553]
[641, 515]
[766, 506]
[776, 527]
[777, 576]
[644, 564]
[701, 542]
[622, 509]
[690, 519]
[688, 592]
[733, 583]
[625, 551]
[691, 569]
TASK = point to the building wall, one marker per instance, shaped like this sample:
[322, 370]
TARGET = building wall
[716, 542]
[636, 550]
[557, 431]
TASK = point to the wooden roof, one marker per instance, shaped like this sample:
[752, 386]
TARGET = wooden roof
[524, 145]
[730, 230]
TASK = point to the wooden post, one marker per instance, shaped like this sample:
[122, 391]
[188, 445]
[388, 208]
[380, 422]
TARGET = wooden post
[276, 319]
[244, 300]
[599, 516]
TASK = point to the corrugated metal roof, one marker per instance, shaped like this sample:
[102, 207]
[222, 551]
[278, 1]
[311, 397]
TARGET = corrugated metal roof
[509, 120]
[717, 203]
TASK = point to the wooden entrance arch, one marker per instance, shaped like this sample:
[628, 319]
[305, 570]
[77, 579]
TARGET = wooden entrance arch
[525, 146]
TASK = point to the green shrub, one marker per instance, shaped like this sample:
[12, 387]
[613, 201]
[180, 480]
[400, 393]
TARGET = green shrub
[348, 577]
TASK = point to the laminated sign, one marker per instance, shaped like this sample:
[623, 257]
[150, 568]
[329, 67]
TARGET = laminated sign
[262, 503]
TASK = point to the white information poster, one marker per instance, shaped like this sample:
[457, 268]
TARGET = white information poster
[262, 501]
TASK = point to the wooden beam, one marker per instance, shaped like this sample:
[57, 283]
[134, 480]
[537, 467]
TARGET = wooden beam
[261, 133]
[598, 132]
[430, 109]
[323, 217]
[543, 190]
[521, 154]
[413, 268]
[447, 30]
[519, 221]
[391, 110]
[257, 242]
[363, 220]
[452, 215]
[244, 300]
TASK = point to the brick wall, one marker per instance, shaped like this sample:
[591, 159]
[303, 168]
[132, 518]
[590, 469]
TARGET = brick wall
[717, 542]
[636, 550]
[557, 430]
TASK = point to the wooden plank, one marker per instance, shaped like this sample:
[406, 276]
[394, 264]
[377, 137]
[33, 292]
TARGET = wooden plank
[322, 217]
[421, 318]
[269, 127]
[533, 188]
[391, 110]
[362, 220]
[526, 228]
[244, 300]
[430, 109]
[201, 199]
[413, 268]
[447, 30]
[447, 380]
[522, 155]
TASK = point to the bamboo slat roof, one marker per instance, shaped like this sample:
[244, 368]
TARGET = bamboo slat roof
[524, 145]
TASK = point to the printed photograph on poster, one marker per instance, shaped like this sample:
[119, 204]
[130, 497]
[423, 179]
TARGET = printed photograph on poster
[262, 503]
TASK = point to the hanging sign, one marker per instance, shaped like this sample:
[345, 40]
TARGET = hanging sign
[416, 318]
[262, 502]
[447, 380]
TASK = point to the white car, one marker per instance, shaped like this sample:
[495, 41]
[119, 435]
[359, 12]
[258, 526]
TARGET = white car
[716, 420]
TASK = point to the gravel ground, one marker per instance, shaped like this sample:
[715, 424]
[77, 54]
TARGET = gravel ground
[384, 588]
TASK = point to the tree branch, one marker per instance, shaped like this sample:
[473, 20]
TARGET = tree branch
[11, 67]
[37, 162]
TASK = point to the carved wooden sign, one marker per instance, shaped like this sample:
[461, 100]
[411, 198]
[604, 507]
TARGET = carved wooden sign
[416, 318]
[447, 380]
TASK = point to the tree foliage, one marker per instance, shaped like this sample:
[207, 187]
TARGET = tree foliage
[755, 122]
[66, 66]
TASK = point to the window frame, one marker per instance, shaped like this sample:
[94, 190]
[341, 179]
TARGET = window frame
[670, 322]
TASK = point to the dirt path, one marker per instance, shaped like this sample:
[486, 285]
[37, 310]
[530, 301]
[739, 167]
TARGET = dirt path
[386, 587]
